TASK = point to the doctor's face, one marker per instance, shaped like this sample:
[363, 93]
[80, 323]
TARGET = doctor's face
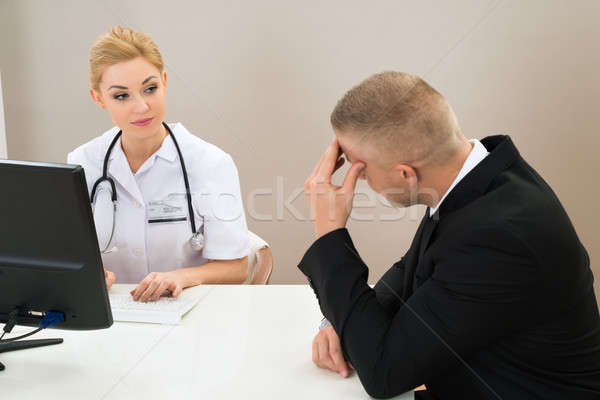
[133, 92]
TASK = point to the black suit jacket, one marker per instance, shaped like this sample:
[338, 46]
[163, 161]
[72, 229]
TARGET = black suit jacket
[493, 300]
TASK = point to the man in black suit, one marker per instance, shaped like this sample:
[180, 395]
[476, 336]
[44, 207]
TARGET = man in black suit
[493, 300]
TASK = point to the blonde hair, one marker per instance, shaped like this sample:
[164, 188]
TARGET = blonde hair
[121, 44]
[402, 115]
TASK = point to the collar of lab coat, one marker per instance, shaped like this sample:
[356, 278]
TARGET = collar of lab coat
[119, 168]
[167, 150]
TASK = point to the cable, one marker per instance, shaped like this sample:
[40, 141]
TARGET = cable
[10, 324]
[22, 336]
[50, 319]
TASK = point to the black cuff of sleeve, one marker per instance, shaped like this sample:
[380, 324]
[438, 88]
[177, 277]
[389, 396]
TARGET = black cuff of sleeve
[321, 252]
[334, 268]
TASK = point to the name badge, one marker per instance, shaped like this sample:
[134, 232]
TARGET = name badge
[172, 208]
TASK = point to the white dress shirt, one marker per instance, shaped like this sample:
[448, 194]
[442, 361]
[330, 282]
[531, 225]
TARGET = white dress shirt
[477, 154]
[143, 242]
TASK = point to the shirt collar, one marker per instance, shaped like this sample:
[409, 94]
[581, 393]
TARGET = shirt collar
[167, 150]
[477, 154]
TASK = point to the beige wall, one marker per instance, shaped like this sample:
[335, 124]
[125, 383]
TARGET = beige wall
[260, 78]
[2, 128]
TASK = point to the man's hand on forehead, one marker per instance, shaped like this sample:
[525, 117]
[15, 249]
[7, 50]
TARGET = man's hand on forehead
[330, 205]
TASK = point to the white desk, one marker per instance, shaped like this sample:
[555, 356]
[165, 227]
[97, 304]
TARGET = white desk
[239, 342]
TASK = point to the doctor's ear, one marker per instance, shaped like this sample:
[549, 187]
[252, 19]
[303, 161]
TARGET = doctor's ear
[164, 79]
[97, 97]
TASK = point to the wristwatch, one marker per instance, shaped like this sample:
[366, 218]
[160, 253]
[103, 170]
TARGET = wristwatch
[324, 324]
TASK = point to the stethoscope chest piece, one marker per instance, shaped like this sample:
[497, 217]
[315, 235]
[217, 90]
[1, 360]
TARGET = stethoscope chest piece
[197, 241]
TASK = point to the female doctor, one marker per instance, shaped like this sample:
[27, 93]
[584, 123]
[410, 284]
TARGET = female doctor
[167, 205]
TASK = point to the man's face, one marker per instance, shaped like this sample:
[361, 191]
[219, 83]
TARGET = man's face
[383, 176]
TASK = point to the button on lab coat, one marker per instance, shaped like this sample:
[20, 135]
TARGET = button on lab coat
[143, 247]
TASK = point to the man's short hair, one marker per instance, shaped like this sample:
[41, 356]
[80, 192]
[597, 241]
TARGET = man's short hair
[402, 115]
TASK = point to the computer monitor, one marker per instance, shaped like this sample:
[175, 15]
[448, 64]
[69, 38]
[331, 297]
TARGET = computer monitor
[49, 255]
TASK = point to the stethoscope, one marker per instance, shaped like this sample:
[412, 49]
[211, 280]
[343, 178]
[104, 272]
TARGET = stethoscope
[197, 239]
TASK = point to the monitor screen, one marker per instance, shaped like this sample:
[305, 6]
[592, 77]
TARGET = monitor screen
[49, 255]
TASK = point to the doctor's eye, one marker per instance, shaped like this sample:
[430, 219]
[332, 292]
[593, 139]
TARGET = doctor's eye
[151, 89]
[120, 96]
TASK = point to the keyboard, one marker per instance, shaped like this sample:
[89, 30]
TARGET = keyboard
[166, 310]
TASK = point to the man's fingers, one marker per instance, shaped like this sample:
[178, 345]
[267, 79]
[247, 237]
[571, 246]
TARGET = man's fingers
[314, 172]
[327, 166]
[352, 177]
[338, 164]
[321, 352]
[324, 359]
[327, 353]
[335, 352]
[319, 163]
[315, 351]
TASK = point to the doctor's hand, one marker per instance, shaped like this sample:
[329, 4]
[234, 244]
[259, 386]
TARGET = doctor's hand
[156, 284]
[327, 352]
[330, 205]
[109, 277]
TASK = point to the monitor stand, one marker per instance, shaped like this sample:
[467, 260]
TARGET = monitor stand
[26, 344]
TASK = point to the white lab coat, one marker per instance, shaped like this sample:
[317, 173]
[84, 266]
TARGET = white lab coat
[143, 247]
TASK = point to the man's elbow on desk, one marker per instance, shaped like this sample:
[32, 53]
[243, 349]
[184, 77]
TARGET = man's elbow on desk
[378, 387]
[383, 380]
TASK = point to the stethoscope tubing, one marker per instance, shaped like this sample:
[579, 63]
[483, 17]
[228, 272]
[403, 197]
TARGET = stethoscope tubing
[108, 179]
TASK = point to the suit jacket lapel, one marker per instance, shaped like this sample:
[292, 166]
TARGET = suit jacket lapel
[428, 229]
[412, 258]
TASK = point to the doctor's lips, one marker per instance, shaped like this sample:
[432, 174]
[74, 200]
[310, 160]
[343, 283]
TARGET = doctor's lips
[142, 122]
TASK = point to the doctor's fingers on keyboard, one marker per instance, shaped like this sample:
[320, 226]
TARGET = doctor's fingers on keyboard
[142, 287]
[152, 288]
[110, 278]
[155, 285]
[161, 290]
